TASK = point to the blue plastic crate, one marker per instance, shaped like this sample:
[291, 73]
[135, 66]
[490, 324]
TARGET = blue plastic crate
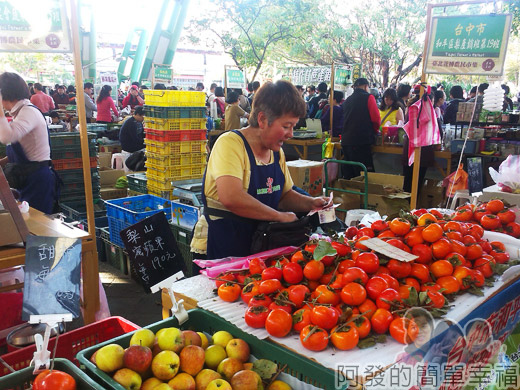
[133, 209]
[115, 226]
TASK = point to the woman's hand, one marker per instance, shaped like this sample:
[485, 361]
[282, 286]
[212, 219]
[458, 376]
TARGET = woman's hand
[286, 217]
[320, 202]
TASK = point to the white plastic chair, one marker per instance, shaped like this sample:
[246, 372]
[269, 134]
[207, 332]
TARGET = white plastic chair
[118, 161]
[463, 195]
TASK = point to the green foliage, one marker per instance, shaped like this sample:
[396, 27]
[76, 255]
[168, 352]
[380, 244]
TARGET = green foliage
[31, 65]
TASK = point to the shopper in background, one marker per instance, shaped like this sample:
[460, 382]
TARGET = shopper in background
[247, 179]
[311, 91]
[337, 115]
[28, 162]
[56, 121]
[105, 103]
[456, 97]
[221, 101]
[480, 93]
[133, 99]
[211, 95]
[403, 94]
[361, 122]
[131, 134]
[314, 103]
[60, 97]
[256, 87]
[199, 87]
[71, 92]
[472, 94]
[508, 103]
[234, 112]
[41, 100]
[389, 109]
[90, 106]
[243, 101]
[439, 97]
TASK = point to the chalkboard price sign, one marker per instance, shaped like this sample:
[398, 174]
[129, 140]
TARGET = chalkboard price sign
[152, 249]
[475, 177]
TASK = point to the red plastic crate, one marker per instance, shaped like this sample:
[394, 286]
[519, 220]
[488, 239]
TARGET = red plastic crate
[73, 163]
[175, 135]
[70, 343]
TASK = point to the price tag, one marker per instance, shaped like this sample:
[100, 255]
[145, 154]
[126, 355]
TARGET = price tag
[388, 250]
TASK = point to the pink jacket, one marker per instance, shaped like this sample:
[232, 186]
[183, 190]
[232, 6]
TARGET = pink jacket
[103, 110]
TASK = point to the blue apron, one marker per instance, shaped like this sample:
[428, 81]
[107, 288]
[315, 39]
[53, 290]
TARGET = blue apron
[232, 236]
[40, 191]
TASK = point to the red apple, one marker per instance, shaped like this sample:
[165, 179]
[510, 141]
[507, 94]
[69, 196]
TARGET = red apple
[191, 338]
[138, 358]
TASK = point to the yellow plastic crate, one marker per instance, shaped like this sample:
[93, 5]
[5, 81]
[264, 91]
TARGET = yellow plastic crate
[162, 174]
[169, 148]
[197, 171]
[175, 159]
[174, 98]
[199, 158]
[159, 185]
[165, 194]
[175, 124]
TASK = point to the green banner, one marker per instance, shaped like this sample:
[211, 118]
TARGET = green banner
[163, 74]
[235, 78]
[342, 76]
[471, 44]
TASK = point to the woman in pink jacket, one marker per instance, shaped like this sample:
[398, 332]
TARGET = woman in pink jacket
[104, 105]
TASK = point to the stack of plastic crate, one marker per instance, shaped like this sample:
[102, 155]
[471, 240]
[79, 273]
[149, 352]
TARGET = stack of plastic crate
[175, 128]
[67, 161]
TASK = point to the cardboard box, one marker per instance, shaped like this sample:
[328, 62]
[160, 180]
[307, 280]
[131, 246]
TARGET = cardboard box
[8, 232]
[431, 195]
[113, 193]
[105, 159]
[385, 193]
[108, 176]
[308, 175]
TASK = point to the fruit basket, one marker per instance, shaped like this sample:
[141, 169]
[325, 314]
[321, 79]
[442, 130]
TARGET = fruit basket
[23, 378]
[70, 343]
[203, 321]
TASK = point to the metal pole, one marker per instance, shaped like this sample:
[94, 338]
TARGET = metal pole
[331, 97]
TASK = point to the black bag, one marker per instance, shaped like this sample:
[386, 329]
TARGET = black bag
[135, 162]
[17, 174]
[271, 235]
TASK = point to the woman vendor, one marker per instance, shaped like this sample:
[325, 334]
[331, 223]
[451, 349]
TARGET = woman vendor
[247, 179]
[28, 163]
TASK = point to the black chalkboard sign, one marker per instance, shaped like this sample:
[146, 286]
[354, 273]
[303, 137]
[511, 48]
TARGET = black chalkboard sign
[153, 251]
[475, 177]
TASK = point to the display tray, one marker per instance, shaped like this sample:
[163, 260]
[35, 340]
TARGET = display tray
[22, 379]
[311, 374]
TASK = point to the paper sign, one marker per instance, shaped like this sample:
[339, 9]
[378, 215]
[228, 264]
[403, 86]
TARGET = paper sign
[185, 215]
[235, 78]
[52, 276]
[152, 249]
[475, 176]
[378, 245]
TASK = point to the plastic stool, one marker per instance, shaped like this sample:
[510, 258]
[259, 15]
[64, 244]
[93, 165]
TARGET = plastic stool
[125, 156]
[118, 161]
[463, 195]
[354, 216]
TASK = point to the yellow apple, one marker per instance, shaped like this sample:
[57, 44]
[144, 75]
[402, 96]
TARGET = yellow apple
[171, 339]
[222, 338]
[183, 381]
[110, 357]
[239, 349]
[229, 367]
[162, 386]
[150, 384]
[247, 380]
[279, 385]
[143, 337]
[204, 339]
[165, 365]
[127, 378]
[204, 377]
[214, 355]
[219, 384]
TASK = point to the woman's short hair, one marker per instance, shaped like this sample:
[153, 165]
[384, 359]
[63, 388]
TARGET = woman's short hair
[13, 87]
[403, 90]
[232, 97]
[276, 100]
[456, 92]
[139, 110]
[219, 92]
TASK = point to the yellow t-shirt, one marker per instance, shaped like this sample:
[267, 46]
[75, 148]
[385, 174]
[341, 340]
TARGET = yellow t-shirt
[233, 114]
[392, 118]
[229, 158]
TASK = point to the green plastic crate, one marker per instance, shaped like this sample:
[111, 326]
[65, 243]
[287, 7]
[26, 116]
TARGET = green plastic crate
[183, 237]
[137, 182]
[72, 152]
[204, 321]
[22, 379]
[62, 140]
[116, 257]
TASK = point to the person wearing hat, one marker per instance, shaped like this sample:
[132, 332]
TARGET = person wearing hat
[361, 121]
[133, 99]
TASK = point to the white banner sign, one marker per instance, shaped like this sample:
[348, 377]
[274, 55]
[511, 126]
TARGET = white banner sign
[34, 26]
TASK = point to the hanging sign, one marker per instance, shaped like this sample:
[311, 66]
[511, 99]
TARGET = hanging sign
[472, 44]
[235, 78]
[25, 28]
[163, 75]
[343, 74]
[152, 249]
[475, 176]
[342, 77]
[52, 276]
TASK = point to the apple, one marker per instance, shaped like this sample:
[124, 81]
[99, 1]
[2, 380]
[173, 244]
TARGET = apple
[248, 366]
[183, 381]
[150, 383]
[191, 338]
[110, 357]
[229, 367]
[219, 384]
[155, 348]
[127, 378]
[279, 385]
[247, 380]
[222, 338]
[214, 355]
[137, 358]
[239, 349]
[171, 339]
[192, 359]
[144, 337]
[205, 340]
[204, 377]
[162, 386]
[93, 357]
[165, 365]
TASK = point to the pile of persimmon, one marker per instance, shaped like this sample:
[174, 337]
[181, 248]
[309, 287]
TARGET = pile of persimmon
[492, 215]
[345, 294]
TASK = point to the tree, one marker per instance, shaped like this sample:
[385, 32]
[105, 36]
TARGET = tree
[249, 29]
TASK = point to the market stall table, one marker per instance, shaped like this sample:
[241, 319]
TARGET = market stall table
[306, 149]
[42, 225]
